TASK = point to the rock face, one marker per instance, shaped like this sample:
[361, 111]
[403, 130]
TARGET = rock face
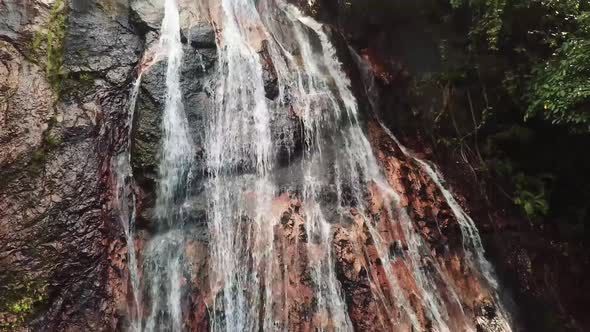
[59, 243]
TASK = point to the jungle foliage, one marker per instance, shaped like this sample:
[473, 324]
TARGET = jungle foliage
[528, 64]
[552, 40]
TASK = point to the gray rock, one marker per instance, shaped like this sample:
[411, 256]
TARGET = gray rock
[287, 133]
[147, 119]
[26, 105]
[100, 44]
[148, 14]
[201, 36]
[269, 74]
[13, 18]
[21, 18]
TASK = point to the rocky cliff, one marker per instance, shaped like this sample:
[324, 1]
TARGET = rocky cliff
[65, 69]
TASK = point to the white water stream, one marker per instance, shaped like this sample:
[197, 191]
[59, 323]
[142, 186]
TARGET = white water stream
[163, 259]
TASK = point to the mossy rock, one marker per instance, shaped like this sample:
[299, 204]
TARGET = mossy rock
[20, 299]
[47, 45]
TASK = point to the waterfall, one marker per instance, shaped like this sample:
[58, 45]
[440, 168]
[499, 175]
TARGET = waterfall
[125, 202]
[330, 183]
[176, 152]
[238, 140]
[472, 243]
[163, 260]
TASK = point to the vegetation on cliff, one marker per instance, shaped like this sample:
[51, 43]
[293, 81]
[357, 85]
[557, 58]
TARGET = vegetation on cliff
[552, 51]
[47, 47]
[21, 302]
[530, 61]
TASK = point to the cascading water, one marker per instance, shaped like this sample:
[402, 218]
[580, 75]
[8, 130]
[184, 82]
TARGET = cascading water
[331, 180]
[238, 141]
[125, 200]
[163, 266]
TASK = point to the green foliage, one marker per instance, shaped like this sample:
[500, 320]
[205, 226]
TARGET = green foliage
[531, 195]
[530, 192]
[514, 89]
[546, 45]
[560, 89]
[489, 18]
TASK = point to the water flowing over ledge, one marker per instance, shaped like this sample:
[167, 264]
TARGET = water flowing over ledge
[308, 221]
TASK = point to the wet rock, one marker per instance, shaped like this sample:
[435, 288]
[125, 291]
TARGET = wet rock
[60, 239]
[146, 138]
[63, 236]
[487, 317]
[148, 15]
[59, 245]
[269, 74]
[286, 134]
[90, 46]
[201, 35]
[12, 19]
[26, 105]
[20, 19]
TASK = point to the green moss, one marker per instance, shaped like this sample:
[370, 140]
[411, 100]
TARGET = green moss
[52, 140]
[56, 34]
[21, 300]
[86, 77]
[22, 306]
[36, 44]
[52, 135]
[78, 84]
[38, 156]
[47, 45]
[86, 81]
